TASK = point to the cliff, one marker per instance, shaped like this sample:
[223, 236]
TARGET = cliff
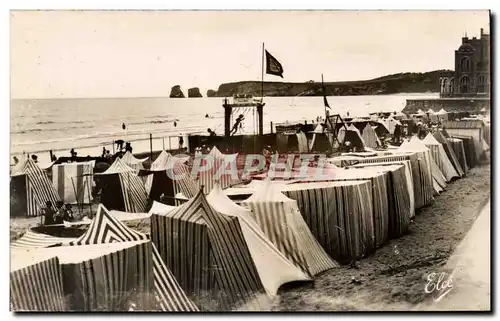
[211, 93]
[176, 92]
[391, 84]
[194, 92]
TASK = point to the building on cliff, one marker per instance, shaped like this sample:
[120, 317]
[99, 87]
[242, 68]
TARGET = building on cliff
[467, 88]
[471, 77]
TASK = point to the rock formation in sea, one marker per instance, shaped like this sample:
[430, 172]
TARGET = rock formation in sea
[176, 92]
[211, 93]
[194, 92]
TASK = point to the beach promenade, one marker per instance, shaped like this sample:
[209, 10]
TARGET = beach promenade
[470, 266]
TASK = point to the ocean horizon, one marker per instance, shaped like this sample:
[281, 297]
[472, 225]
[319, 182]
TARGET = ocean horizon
[89, 124]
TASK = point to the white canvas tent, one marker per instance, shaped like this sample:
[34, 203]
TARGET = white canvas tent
[439, 155]
[73, 181]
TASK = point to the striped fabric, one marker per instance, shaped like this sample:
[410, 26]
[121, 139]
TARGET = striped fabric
[422, 181]
[106, 277]
[208, 254]
[370, 137]
[32, 239]
[463, 124]
[452, 156]
[475, 133]
[439, 180]
[273, 267]
[338, 214]
[378, 231]
[470, 150]
[281, 221]
[134, 163]
[164, 169]
[208, 177]
[487, 134]
[39, 189]
[132, 187]
[73, 181]
[36, 285]
[107, 229]
[439, 155]
[408, 177]
[400, 195]
[457, 147]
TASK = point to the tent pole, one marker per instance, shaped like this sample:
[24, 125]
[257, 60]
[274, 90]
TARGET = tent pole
[76, 196]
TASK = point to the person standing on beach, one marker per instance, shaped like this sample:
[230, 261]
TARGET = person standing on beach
[16, 160]
[48, 213]
[119, 144]
[123, 126]
[128, 147]
[181, 142]
[237, 124]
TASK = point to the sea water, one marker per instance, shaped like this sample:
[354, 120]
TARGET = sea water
[88, 125]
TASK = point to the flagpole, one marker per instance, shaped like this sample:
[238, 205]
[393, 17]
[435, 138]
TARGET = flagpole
[324, 91]
[262, 76]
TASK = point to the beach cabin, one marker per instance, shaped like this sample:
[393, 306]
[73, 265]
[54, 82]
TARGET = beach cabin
[30, 189]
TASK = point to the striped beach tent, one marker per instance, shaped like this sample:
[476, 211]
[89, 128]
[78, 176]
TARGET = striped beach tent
[105, 228]
[36, 282]
[473, 128]
[169, 176]
[457, 148]
[215, 167]
[102, 277]
[352, 135]
[370, 136]
[450, 152]
[208, 254]
[421, 175]
[337, 213]
[399, 197]
[133, 162]
[73, 181]
[122, 189]
[439, 155]
[30, 189]
[273, 267]
[280, 219]
[469, 148]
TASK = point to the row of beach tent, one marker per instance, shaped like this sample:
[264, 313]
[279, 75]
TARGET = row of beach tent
[231, 248]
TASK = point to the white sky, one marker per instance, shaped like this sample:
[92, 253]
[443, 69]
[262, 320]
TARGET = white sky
[144, 53]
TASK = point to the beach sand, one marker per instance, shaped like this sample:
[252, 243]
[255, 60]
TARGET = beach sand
[394, 277]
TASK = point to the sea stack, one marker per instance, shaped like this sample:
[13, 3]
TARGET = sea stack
[211, 93]
[176, 92]
[194, 92]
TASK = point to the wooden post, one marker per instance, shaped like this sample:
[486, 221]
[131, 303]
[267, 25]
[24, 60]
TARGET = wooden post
[163, 143]
[169, 143]
[271, 127]
[151, 146]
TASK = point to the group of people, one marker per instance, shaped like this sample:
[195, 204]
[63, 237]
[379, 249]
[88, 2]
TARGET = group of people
[57, 215]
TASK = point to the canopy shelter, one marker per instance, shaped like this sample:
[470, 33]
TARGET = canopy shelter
[106, 228]
[209, 255]
[273, 267]
[439, 155]
[281, 221]
[169, 176]
[453, 156]
[121, 188]
[30, 189]
[292, 142]
[473, 128]
[338, 214]
[322, 139]
[104, 277]
[215, 168]
[133, 162]
[370, 136]
[73, 182]
[352, 135]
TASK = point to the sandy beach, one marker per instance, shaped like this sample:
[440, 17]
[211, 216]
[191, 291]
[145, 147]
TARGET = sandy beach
[394, 277]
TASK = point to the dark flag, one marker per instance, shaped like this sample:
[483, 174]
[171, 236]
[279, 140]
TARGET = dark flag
[326, 102]
[273, 66]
